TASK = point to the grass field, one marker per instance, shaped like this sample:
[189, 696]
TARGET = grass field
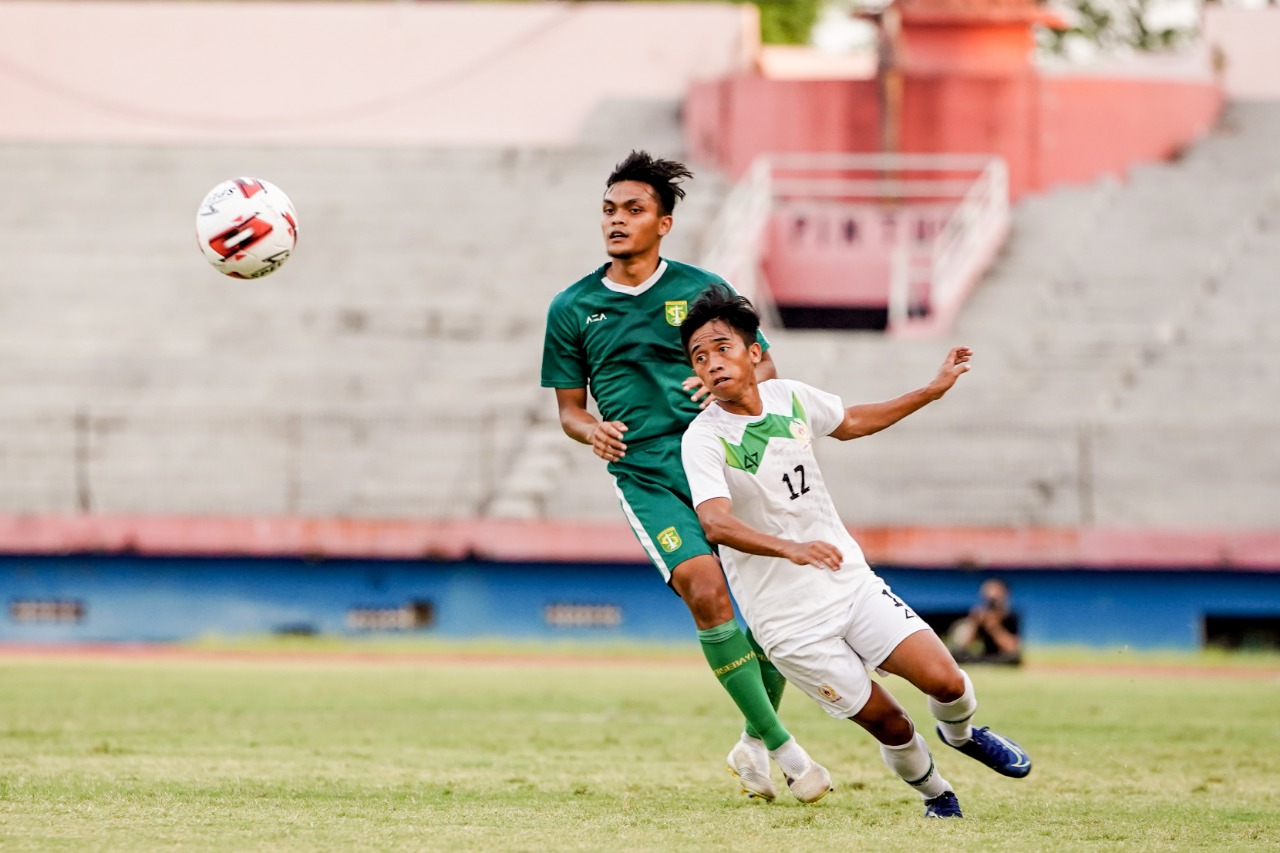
[467, 751]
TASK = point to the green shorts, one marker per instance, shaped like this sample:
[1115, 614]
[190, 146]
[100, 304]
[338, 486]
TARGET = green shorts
[654, 495]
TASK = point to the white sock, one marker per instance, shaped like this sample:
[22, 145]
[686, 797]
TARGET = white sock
[953, 717]
[792, 758]
[914, 764]
[754, 743]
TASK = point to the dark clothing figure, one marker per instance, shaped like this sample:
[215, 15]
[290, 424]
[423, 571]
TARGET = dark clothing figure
[990, 633]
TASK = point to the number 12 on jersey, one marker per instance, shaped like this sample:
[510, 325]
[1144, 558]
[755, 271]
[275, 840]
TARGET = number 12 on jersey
[786, 478]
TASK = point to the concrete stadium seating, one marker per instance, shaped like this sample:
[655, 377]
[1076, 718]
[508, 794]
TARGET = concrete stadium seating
[1126, 369]
[390, 369]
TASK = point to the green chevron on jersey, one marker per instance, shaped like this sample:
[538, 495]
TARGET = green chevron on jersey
[747, 455]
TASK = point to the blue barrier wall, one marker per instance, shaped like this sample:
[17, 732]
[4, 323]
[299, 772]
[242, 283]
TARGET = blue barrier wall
[141, 599]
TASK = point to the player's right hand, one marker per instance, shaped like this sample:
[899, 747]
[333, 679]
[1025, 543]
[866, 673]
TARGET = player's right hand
[606, 440]
[822, 555]
[955, 365]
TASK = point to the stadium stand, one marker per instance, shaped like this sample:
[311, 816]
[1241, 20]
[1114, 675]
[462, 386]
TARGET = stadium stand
[1122, 375]
[362, 435]
[1123, 372]
[391, 369]
[388, 371]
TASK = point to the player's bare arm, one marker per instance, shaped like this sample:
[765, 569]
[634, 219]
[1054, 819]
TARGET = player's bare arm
[722, 527]
[868, 418]
[766, 369]
[605, 437]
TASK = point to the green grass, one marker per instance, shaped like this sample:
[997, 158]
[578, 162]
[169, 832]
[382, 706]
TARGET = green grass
[608, 753]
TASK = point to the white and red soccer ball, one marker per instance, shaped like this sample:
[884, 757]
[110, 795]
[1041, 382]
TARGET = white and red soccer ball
[246, 227]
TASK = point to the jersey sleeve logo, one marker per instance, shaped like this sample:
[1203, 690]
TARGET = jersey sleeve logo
[676, 312]
[748, 455]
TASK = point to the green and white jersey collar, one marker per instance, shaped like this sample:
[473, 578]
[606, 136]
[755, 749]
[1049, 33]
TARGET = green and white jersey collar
[639, 288]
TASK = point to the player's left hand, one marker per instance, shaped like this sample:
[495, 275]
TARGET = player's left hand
[953, 367]
[701, 393]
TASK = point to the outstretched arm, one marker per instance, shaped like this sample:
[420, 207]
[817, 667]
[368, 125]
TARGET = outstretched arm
[722, 527]
[605, 437]
[868, 418]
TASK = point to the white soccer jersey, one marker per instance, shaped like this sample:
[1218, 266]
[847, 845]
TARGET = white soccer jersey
[765, 465]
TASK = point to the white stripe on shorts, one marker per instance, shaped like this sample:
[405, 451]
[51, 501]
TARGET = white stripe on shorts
[650, 547]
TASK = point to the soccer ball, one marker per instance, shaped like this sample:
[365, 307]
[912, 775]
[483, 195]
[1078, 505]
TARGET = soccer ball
[246, 227]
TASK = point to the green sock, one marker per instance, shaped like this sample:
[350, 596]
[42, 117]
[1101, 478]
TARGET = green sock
[774, 682]
[735, 665]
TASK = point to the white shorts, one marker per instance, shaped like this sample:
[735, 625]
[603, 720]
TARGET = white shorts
[831, 664]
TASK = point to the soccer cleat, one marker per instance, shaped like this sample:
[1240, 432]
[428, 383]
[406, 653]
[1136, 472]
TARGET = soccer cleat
[811, 785]
[943, 805]
[751, 767]
[996, 751]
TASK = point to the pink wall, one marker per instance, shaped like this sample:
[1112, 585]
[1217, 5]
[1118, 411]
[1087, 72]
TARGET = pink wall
[730, 121]
[436, 73]
[575, 541]
[973, 115]
[1090, 127]
[949, 44]
[1049, 129]
[823, 254]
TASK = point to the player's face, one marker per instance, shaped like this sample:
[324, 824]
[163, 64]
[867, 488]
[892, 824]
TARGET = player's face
[722, 361]
[631, 220]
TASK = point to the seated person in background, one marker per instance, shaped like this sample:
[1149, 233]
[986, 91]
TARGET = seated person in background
[989, 634]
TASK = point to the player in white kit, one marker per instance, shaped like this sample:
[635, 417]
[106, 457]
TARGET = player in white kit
[814, 605]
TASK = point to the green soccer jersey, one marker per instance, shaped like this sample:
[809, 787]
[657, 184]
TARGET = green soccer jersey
[623, 344]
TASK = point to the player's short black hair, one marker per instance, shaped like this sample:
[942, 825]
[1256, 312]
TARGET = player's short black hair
[719, 302]
[663, 175]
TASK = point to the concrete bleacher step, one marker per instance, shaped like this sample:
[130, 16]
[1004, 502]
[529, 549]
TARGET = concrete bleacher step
[583, 487]
[254, 464]
[386, 371]
[1186, 475]
[1104, 305]
[1123, 338]
[38, 462]
[921, 472]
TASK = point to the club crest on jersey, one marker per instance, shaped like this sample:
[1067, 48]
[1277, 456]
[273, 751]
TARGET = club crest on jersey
[800, 430]
[670, 540]
[829, 693]
[677, 311]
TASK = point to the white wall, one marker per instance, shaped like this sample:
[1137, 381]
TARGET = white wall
[359, 73]
[1246, 40]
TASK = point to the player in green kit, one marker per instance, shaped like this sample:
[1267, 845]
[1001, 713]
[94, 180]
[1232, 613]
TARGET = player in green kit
[616, 333]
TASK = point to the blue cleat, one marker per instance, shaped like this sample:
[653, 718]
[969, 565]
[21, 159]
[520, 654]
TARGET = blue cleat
[943, 805]
[997, 752]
